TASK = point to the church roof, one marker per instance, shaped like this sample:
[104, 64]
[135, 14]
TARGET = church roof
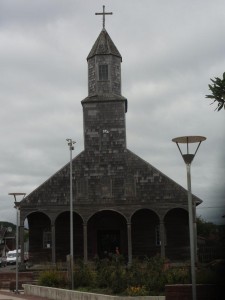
[104, 46]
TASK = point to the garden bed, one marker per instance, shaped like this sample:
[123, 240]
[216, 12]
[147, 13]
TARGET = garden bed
[63, 294]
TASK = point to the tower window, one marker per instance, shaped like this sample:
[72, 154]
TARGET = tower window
[103, 72]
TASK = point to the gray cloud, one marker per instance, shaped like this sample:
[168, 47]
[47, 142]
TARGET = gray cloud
[170, 51]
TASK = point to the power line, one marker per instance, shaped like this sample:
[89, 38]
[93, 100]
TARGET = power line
[211, 207]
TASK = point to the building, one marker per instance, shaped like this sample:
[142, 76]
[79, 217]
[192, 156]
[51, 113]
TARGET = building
[120, 200]
[7, 239]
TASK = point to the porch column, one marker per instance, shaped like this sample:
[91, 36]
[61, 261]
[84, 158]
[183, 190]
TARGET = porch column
[85, 242]
[129, 238]
[53, 243]
[162, 238]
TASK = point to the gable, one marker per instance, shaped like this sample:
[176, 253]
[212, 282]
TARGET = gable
[121, 178]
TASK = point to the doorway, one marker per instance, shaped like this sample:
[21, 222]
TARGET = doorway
[108, 240]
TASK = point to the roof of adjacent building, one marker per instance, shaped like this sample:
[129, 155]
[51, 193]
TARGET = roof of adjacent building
[104, 46]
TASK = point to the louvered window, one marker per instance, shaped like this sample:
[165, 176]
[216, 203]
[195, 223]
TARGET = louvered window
[103, 72]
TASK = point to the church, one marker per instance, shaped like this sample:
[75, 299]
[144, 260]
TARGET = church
[119, 200]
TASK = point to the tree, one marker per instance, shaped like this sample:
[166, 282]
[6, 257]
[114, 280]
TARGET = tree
[218, 92]
[205, 228]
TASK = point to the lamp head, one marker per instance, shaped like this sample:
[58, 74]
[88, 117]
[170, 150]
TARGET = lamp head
[188, 158]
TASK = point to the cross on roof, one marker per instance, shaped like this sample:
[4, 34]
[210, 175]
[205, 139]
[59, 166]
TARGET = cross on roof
[103, 14]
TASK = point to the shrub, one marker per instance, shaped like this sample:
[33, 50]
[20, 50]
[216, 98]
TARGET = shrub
[207, 276]
[136, 291]
[84, 276]
[118, 280]
[211, 273]
[104, 269]
[52, 278]
[154, 274]
[135, 274]
[111, 274]
[115, 277]
[177, 275]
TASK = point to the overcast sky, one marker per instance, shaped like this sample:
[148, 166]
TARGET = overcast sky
[170, 50]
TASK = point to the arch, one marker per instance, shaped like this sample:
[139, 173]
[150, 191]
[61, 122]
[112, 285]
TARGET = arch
[107, 229]
[176, 208]
[145, 225]
[26, 215]
[144, 208]
[102, 210]
[62, 235]
[177, 234]
[39, 227]
[57, 214]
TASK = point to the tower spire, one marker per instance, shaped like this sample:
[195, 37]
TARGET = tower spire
[103, 16]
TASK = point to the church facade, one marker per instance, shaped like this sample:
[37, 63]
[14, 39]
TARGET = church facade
[119, 200]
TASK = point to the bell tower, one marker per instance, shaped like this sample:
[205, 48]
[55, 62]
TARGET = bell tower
[104, 67]
[104, 109]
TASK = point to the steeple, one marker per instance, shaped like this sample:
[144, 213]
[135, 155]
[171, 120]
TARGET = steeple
[104, 46]
[104, 109]
[104, 67]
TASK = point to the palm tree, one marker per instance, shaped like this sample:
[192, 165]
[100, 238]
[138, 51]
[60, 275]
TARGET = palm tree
[218, 92]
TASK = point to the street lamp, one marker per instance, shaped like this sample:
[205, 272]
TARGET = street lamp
[188, 158]
[17, 206]
[71, 148]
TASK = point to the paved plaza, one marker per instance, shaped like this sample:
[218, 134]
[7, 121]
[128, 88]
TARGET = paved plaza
[8, 295]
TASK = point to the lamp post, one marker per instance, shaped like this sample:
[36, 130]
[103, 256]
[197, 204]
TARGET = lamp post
[188, 158]
[71, 148]
[17, 206]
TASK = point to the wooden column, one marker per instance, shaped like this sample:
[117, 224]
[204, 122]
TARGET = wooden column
[162, 238]
[85, 242]
[53, 243]
[129, 238]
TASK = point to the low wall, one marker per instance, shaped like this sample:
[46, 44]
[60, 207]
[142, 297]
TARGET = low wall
[62, 294]
[203, 292]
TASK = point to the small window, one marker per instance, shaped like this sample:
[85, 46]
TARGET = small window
[103, 72]
[47, 239]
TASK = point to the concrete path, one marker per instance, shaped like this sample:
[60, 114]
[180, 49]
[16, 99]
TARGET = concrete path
[7, 295]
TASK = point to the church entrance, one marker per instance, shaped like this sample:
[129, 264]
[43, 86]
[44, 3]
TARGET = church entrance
[107, 241]
[106, 231]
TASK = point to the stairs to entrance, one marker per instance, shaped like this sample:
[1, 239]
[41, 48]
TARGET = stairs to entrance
[8, 279]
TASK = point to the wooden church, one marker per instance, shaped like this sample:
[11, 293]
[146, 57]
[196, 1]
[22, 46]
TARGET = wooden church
[119, 200]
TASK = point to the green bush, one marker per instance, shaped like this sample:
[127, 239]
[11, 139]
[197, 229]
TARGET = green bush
[177, 275]
[213, 273]
[84, 276]
[135, 275]
[136, 291]
[118, 280]
[155, 274]
[113, 276]
[52, 278]
[207, 276]
[104, 269]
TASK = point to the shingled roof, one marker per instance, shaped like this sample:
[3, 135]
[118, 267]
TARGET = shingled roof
[104, 46]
